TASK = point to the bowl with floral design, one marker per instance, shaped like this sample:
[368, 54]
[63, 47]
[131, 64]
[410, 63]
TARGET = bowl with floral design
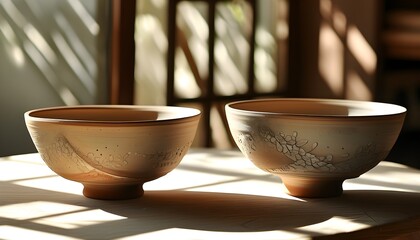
[313, 145]
[112, 149]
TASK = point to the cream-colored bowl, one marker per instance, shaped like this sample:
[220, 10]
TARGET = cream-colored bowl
[112, 149]
[313, 145]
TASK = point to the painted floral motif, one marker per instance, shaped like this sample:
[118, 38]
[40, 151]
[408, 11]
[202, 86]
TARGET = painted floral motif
[246, 142]
[300, 151]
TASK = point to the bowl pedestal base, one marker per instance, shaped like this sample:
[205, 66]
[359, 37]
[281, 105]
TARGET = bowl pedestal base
[312, 187]
[113, 192]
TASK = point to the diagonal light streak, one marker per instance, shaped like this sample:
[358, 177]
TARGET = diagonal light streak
[65, 94]
[7, 31]
[30, 31]
[361, 50]
[13, 12]
[74, 63]
[11, 45]
[85, 16]
[76, 44]
[39, 41]
[37, 48]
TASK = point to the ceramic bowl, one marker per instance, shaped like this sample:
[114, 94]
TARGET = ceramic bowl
[313, 145]
[112, 150]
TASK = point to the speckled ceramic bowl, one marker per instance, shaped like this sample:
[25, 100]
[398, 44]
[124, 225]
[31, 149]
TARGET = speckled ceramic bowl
[112, 150]
[313, 145]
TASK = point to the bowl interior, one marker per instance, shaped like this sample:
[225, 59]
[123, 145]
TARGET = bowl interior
[317, 107]
[114, 113]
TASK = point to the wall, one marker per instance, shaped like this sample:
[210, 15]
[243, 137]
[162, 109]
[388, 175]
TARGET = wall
[336, 50]
[52, 53]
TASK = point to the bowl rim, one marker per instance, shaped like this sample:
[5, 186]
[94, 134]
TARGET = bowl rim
[396, 109]
[190, 114]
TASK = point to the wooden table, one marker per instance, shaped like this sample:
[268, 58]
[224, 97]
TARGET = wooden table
[211, 195]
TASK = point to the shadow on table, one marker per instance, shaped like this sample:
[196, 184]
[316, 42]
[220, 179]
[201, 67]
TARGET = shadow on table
[228, 212]
[248, 213]
[393, 215]
[209, 211]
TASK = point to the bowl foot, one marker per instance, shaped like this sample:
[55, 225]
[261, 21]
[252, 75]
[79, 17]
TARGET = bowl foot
[312, 188]
[112, 192]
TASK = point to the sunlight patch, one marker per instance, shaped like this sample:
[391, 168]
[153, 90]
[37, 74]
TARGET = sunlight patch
[30, 210]
[11, 232]
[79, 219]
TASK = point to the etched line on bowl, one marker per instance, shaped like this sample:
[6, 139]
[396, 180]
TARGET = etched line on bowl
[102, 159]
[62, 150]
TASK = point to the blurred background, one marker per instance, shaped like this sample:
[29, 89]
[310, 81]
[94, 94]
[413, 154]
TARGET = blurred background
[204, 54]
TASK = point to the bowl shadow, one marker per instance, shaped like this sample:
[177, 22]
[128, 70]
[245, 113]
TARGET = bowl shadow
[226, 212]
[213, 211]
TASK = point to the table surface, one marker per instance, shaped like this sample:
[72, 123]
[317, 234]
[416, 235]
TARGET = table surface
[212, 194]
